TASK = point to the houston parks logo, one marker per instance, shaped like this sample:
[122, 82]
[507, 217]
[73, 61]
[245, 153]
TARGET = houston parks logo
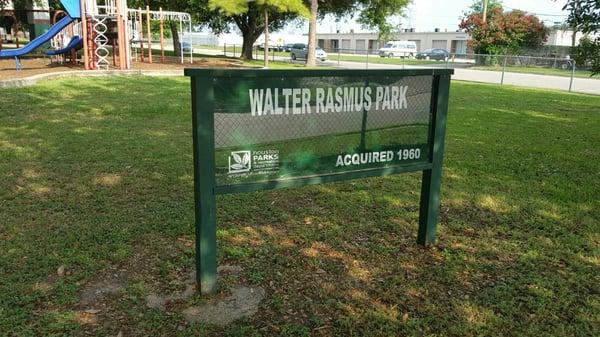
[239, 162]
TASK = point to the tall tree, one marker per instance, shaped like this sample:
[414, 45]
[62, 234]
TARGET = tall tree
[256, 17]
[372, 14]
[504, 32]
[584, 16]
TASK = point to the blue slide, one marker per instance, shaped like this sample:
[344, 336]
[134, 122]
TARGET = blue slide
[38, 41]
[76, 43]
[73, 13]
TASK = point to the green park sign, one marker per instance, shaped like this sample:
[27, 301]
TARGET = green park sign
[264, 129]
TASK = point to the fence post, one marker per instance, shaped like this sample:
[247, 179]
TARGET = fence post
[503, 70]
[338, 57]
[572, 75]
[234, 50]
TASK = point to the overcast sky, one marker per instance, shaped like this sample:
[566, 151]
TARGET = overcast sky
[425, 15]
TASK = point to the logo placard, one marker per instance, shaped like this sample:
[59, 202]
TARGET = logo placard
[239, 162]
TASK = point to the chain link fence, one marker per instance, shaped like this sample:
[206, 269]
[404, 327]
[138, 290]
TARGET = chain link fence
[553, 66]
[497, 66]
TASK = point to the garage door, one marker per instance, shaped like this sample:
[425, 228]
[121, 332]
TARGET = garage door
[345, 44]
[360, 45]
[442, 44]
[418, 43]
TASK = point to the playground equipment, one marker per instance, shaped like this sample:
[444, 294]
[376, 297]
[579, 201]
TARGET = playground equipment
[103, 28]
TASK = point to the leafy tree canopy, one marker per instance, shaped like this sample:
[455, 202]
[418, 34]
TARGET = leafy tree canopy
[233, 7]
[504, 32]
[584, 15]
[477, 6]
[373, 14]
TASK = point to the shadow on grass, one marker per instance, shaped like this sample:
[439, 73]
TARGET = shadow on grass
[92, 168]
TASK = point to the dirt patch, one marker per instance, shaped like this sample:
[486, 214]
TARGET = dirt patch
[243, 302]
[37, 66]
[156, 301]
[97, 291]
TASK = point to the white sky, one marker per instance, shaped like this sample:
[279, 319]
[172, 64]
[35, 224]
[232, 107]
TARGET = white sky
[425, 15]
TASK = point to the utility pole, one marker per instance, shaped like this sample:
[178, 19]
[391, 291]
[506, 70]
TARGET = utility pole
[266, 54]
[485, 3]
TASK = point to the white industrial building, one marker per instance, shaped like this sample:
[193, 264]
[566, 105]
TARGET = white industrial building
[454, 42]
[564, 38]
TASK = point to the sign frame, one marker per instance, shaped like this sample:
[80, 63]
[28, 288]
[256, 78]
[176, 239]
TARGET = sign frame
[206, 189]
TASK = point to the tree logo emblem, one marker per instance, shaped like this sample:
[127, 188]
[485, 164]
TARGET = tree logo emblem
[239, 162]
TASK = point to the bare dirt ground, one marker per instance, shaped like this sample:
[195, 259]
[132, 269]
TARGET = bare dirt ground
[35, 66]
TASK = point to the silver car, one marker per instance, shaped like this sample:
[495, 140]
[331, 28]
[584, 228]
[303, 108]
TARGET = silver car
[300, 50]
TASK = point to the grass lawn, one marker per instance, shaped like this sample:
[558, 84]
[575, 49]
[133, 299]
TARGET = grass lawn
[331, 55]
[96, 188]
[382, 60]
[237, 49]
[539, 70]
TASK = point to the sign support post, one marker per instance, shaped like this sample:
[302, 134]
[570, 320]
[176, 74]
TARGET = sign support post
[204, 184]
[430, 184]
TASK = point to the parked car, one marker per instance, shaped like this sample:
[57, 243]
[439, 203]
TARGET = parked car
[272, 46]
[300, 50]
[433, 54]
[287, 47]
[398, 49]
[186, 47]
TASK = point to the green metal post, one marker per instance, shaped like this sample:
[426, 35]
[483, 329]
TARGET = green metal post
[503, 70]
[430, 185]
[363, 130]
[204, 184]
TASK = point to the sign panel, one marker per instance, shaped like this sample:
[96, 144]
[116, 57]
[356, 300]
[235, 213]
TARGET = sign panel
[278, 127]
[262, 129]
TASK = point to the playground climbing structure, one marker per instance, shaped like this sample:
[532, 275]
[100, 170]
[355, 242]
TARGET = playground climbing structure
[106, 31]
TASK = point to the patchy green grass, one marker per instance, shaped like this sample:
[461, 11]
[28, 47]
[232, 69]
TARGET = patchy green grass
[539, 71]
[259, 63]
[96, 185]
[382, 60]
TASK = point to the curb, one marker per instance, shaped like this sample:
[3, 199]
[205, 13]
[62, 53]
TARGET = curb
[32, 80]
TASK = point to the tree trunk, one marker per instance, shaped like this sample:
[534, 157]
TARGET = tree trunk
[247, 46]
[175, 35]
[312, 35]
[574, 37]
[251, 26]
[249, 35]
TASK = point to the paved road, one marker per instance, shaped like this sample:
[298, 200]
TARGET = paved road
[583, 85]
